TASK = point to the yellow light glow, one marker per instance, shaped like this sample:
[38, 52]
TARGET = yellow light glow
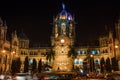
[91, 55]
[3, 51]
[13, 52]
[116, 46]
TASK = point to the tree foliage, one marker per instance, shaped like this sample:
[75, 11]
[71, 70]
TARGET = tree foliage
[40, 65]
[50, 55]
[114, 64]
[13, 66]
[26, 64]
[34, 65]
[108, 65]
[92, 64]
[102, 64]
[16, 65]
[72, 53]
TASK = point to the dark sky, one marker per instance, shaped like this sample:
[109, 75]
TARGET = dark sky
[34, 17]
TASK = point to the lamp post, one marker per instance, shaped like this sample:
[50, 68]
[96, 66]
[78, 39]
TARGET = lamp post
[116, 47]
[92, 62]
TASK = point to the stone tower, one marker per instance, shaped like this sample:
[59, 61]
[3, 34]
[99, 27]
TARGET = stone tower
[3, 31]
[62, 38]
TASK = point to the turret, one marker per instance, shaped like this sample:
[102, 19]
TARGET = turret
[63, 24]
[3, 30]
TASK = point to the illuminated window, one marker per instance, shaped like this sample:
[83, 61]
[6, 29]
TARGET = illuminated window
[81, 61]
[98, 52]
[83, 52]
[78, 52]
[97, 61]
[93, 52]
[98, 70]
[31, 62]
[76, 61]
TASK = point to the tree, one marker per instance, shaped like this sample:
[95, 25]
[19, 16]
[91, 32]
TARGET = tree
[34, 65]
[108, 65]
[92, 65]
[18, 64]
[102, 64]
[26, 64]
[72, 53]
[114, 64]
[13, 68]
[50, 55]
[40, 66]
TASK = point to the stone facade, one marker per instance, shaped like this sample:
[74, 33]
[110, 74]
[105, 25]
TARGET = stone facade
[63, 37]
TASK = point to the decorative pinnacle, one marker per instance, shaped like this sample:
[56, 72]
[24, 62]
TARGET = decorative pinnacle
[63, 6]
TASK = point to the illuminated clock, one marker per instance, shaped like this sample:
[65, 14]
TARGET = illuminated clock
[62, 41]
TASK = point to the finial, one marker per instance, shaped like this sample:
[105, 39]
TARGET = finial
[63, 6]
[1, 22]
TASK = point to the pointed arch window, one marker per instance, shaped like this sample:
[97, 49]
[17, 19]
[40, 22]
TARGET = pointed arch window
[97, 61]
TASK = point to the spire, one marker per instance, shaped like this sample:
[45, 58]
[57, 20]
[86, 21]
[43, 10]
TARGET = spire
[5, 25]
[1, 22]
[63, 6]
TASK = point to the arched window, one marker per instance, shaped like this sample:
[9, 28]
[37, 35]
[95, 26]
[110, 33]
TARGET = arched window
[83, 52]
[97, 61]
[93, 52]
[76, 61]
[81, 61]
[98, 52]
[78, 52]
[31, 62]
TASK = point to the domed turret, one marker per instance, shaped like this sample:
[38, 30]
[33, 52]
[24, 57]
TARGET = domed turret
[64, 15]
[63, 25]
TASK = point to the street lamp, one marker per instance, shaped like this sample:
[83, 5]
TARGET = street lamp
[4, 51]
[92, 63]
[115, 50]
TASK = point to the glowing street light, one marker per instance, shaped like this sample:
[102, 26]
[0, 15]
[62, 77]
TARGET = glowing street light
[3, 51]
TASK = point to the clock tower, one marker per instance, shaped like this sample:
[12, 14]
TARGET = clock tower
[62, 38]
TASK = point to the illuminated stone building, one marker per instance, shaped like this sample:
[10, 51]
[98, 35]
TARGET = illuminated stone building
[62, 39]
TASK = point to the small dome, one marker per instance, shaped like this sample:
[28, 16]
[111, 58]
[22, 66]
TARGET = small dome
[64, 14]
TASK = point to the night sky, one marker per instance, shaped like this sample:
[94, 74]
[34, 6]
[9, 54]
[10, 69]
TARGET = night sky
[34, 17]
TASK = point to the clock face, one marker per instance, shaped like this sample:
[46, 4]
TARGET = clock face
[62, 41]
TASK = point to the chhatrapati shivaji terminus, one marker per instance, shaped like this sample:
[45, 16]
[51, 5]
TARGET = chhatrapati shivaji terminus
[63, 54]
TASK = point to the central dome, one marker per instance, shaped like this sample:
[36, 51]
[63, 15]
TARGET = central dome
[64, 15]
